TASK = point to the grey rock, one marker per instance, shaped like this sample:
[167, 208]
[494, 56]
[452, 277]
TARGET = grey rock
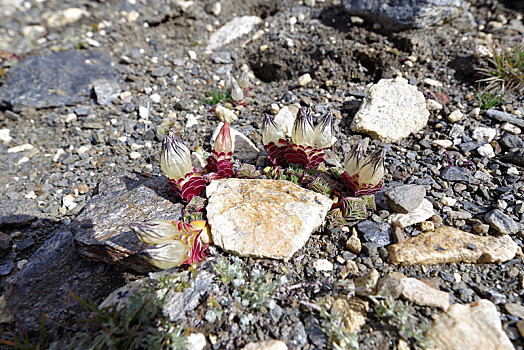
[221, 57]
[505, 117]
[160, 72]
[314, 332]
[106, 91]
[25, 244]
[45, 283]
[6, 242]
[294, 335]
[473, 208]
[456, 174]
[516, 158]
[18, 212]
[176, 304]
[405, 199]
[6, 268]
[378, 233]
[512, 141]
[501, 222]
[397, 15]
[232, 30]
[102, 230]
[59, 79]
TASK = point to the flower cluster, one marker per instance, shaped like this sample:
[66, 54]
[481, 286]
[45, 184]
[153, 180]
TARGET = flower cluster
[363, 175]
[307, 144]
[173, 243]
[185, 181]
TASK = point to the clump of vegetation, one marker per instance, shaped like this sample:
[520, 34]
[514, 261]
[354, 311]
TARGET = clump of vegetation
[25, 343]
[401, 315]
[337, 333]
[504, 74]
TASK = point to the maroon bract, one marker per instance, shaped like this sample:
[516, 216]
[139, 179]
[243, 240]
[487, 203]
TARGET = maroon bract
[219, 161]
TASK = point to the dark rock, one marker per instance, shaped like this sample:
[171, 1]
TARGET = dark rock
[505, 117]
[501, 222]
[45, 285]
[396, 15]
[469, 146]
[6, 242]
[473, 208]
[160, 72]
[25, 244]
[406, 198]
[512, 141]
[18, 212]
[294, 335]
[516, 158]
[456, 174]
[83, 111]
[59, 79]
[370, 249]
[378, 233]
[314, 332]
[6, 268]
[102, 230]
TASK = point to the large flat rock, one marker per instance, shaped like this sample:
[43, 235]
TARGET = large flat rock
[448, 244]
[102, 230]
[59, 79]
[263, 218]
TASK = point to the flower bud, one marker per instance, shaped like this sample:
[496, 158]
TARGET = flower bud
[223, 142]
[354, 159]
[168, 255]
[302, 133]
[228, 82]
[243, 80]
[271, 131]
[372, 170]
[323, 133]
[155, 231]
[236, 91]
[175, 159]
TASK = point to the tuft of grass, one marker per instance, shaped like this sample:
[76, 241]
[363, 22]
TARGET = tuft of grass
[504, 74]
[217, 96]
[24, 342]
[402, 316]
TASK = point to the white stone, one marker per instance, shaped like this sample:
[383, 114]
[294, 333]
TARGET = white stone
[225, 115]
[512, 129]
[192, 54]
[266, 345]
[4, 136]
[455, 116]
[448, 201]
[65, 17]
[68, 202]
[484, 134]
[23, 160]
[433, 105]
[69, 118]
[135, 146]
[513, 171]
[475, 112]
[21, 148]
[486, 151]
[432, 82]
[5, 313]
[421, 294]
[274, 109]
[20, 264]
[82, 149]
[442, 143]
[58, 153]
[155, 98]
[196, 341]
[469, 327]
[134, 155]
[232, 30]
[191, 120]
[323, 265]
[422, 213]
[304, 79]
[391, 111]
[263, 218]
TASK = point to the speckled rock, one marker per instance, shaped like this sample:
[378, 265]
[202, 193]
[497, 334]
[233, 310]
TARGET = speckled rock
[422, 213]
[469, 327]
[447, 244]
[392, 110]
[18, 212]
[501, 222]
[102, 230]
[263, 218]
[406, 198]
[266, 345]
[422, 294]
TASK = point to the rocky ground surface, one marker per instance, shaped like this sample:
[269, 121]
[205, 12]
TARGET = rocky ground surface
[86, 86]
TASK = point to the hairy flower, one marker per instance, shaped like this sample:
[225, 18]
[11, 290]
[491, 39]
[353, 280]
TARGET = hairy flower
[155, 231]
[175, 159]
[223, 143]
[167, 255]
[236, 91]
[363, 175]
[243, 80]
[219, 161]
[302, 133]
[274, 140]
[323, 133]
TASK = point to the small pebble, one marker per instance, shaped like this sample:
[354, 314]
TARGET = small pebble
[305, 79]
[134, 155]
[426, 226]
[455, 116]
[448, 201]
[323, 265]
[155, 98]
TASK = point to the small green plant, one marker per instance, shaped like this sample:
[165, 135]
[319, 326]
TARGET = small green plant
[402, 316]
[337, 333]
[504, 74]
[139, 325]
[488, 99]
[218, 96]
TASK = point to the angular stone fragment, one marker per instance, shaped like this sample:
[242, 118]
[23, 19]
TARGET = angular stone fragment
[469, 327]
[102, 230]
[501, 222]
[263, 218]
[232, 30]
[352, 311]
[422, 213]
[392, 111]
[421, 294]
[59, 79]
[266, 345]
[406, 198]
[18, 212]
[447, 244]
